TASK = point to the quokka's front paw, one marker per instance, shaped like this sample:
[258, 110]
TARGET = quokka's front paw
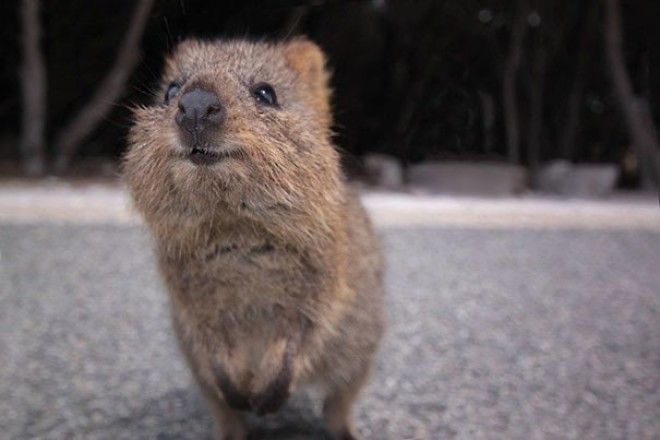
[275, 394]
[234, 398]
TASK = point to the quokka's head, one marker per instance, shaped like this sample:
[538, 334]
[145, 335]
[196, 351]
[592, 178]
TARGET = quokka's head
[236, 125]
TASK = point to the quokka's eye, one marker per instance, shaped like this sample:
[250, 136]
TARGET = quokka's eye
[265, 94]
[172, 91]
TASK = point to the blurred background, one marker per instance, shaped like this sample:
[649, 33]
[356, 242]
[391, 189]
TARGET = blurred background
[542, 87]
[507, 151]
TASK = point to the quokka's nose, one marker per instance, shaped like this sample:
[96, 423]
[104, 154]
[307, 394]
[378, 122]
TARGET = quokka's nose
[199, 109]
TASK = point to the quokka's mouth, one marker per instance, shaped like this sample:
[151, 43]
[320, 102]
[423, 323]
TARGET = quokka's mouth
[202, 156]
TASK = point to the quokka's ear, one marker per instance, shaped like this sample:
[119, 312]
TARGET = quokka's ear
[308, 60]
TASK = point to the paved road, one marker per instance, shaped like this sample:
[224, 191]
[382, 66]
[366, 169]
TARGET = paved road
[495, 333]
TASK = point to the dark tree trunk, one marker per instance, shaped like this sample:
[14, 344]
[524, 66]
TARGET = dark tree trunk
[487, 120]
[537, 87]
[33, 89]
[509, 80]
[90, 115]
[572, 120]
[636, 114]
[575, 97]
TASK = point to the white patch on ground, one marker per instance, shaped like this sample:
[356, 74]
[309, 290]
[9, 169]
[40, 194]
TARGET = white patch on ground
[390, 209]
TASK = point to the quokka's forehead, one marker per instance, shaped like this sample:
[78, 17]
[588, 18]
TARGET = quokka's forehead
[241, 57]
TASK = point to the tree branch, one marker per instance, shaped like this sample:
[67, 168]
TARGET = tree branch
[33, 88]
[69, 139]
[509, 96]
[636, 115]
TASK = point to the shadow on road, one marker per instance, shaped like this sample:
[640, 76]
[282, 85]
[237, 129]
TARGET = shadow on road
[182, 414]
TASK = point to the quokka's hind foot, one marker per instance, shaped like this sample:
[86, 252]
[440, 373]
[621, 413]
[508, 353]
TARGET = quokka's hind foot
[337, 411]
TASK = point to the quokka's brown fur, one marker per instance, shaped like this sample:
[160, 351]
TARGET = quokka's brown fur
[273, 271]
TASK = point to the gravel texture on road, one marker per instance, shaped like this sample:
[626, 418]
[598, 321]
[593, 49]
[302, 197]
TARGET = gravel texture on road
[494, 334]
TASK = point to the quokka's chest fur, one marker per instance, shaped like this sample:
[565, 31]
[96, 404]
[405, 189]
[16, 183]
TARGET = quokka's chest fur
[231, 268]
[239, 295]
[251, 284]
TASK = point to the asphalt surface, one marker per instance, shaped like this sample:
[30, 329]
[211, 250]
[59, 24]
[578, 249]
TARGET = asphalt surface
[494, 334]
